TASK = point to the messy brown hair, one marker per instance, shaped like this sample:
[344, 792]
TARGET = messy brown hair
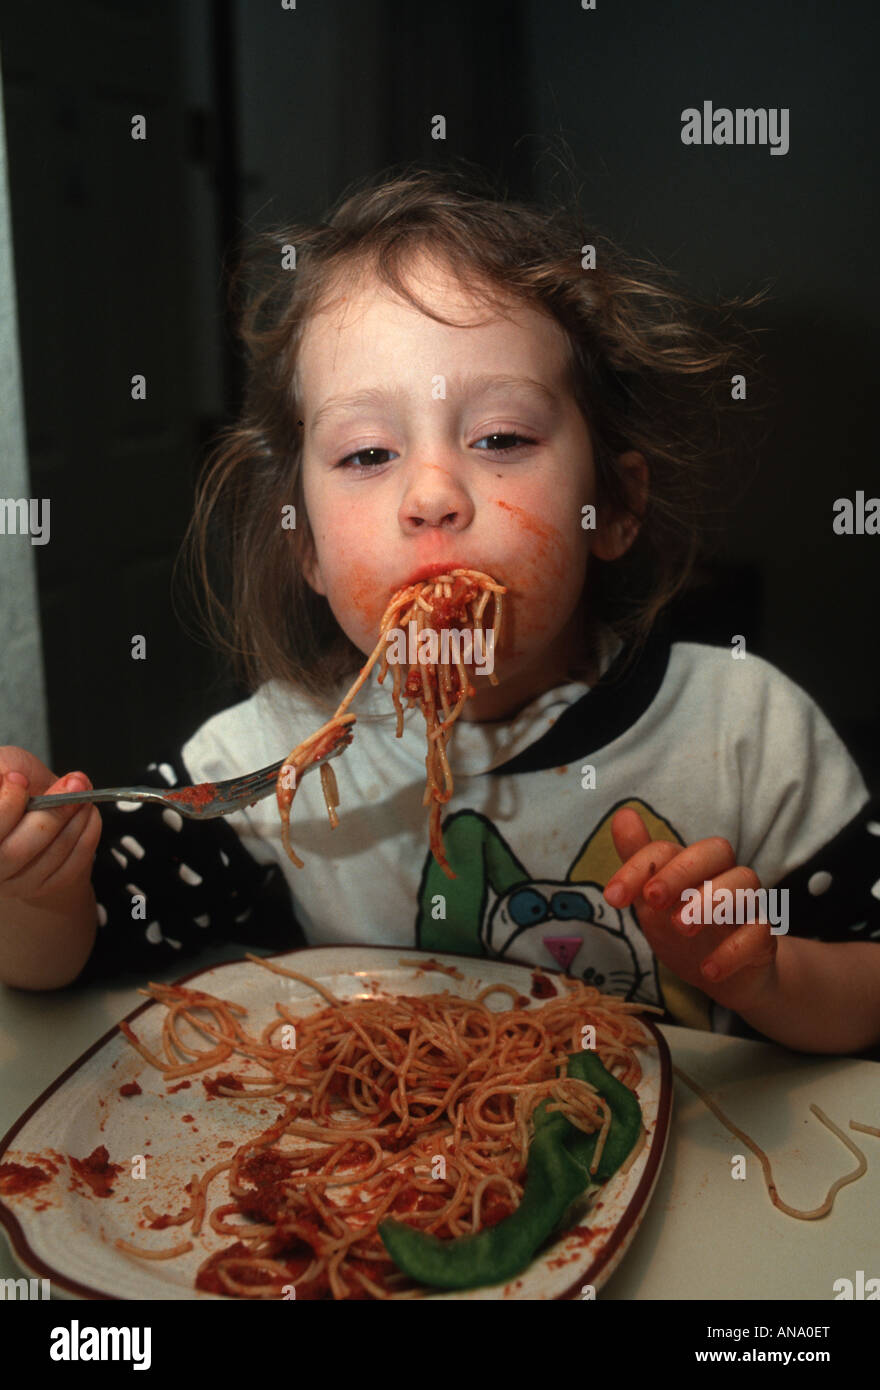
[646, 372]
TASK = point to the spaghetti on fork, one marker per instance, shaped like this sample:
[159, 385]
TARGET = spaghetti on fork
[455, 600]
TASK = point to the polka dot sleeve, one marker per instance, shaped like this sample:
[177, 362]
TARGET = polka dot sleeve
[835, 895]
[167, 886]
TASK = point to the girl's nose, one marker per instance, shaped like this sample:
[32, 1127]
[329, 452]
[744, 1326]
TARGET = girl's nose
[436, 498]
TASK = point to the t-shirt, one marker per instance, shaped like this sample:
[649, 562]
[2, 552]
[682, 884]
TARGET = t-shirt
[699, 742]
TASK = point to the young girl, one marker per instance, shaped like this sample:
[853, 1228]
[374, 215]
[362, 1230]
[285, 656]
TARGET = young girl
[439, 380]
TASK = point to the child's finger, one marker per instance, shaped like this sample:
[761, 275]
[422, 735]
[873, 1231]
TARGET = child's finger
[25, 834]
[14, 793]
[740, 877]
[752, 944]
[70, 782]
[629, 880]
[694, 866]
[629, 833]
[33, 879]
[64, 873]
[16, 790]
[24, 876]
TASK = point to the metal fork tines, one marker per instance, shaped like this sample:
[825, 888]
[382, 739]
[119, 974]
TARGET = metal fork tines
[201, 802]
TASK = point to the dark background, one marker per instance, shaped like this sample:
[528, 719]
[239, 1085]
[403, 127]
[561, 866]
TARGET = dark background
[256, 113]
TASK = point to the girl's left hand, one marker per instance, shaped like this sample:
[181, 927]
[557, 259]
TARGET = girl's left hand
[734, 965]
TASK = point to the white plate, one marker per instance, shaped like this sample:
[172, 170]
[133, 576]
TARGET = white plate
[66, 1234]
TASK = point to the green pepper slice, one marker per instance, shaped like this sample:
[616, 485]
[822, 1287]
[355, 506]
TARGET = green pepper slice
[558, 1171]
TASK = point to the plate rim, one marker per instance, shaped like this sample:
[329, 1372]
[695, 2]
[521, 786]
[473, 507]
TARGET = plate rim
[635, 1207]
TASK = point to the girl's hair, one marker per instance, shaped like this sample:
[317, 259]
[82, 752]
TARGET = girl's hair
[645, 371]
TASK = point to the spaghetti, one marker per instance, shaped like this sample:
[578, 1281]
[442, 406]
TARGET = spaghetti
[441, 687]
[416, 1107]
[764, 1161]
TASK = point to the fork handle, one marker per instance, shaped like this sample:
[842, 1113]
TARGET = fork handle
[48, 803]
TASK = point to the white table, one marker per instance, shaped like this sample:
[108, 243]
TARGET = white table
[705, 1235]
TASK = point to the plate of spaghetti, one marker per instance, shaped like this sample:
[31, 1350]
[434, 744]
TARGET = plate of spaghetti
[346, 1123]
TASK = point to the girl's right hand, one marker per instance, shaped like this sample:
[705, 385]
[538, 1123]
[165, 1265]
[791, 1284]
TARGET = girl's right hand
[42, 853]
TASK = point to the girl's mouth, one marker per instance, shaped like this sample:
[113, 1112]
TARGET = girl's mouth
[431, 571]
[426, 572]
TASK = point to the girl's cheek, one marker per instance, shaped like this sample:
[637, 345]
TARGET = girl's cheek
[356, 598]
[548, 578]
[361, 594]
[545, 553]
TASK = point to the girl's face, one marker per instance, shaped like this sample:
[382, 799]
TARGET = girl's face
[428, 445]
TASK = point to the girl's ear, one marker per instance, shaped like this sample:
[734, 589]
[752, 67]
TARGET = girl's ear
[311, 567]
[615, 534]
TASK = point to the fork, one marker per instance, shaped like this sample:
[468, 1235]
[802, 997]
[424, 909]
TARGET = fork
[222, 798]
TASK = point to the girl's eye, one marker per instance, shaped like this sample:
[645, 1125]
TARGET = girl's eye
[348, 462]
[503, 448]
[504, 442]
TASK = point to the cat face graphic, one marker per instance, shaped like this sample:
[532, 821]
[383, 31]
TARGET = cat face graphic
[554, 924]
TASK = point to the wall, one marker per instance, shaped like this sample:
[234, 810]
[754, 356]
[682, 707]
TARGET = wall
[22, 696]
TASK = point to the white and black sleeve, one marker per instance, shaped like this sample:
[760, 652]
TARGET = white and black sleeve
[167, 886]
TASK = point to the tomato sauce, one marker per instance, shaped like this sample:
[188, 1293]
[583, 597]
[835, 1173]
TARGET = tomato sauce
[17, 1179]
[200, 795]
[542, 986]
[97, 1171]
[225, 1079]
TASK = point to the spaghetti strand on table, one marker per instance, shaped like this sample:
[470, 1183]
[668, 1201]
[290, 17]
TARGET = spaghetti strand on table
[818, 1212]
